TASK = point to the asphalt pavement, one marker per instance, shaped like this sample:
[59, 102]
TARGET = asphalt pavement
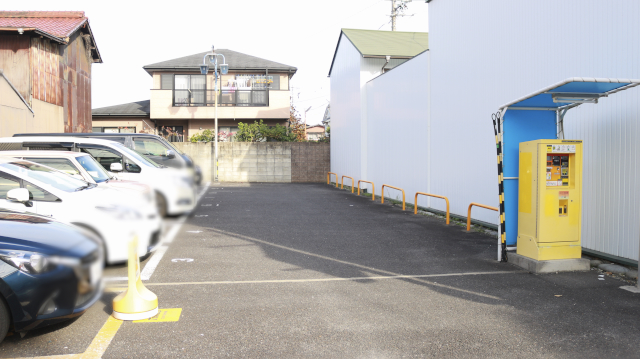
[307, 270]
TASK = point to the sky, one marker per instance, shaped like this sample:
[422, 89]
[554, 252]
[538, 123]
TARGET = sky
[300, 33]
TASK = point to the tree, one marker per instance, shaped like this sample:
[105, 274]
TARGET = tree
[295, 124]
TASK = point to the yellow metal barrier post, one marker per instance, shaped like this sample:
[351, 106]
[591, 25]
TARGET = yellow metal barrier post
[399, 189]
[352, 182]
[415, 202]
[477, 205]
[329, 178]
[373, 189]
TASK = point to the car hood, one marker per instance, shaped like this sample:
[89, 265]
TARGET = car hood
[28, 232]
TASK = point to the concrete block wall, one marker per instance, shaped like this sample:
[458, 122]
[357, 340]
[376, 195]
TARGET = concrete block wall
[255, 162]
[310, 161]
[202, 154]
[277, 162]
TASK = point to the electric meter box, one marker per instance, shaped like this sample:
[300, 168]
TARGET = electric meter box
[550, 199]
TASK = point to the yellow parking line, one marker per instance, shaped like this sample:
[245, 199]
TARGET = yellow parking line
[97, 347]
[101, 342]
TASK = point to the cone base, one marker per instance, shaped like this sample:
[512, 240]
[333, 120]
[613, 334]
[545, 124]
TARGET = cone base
[135, 316]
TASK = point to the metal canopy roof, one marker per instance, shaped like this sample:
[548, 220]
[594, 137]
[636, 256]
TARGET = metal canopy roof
[570, 93]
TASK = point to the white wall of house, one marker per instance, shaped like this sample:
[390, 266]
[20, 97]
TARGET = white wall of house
[486, 53]
[398, 140]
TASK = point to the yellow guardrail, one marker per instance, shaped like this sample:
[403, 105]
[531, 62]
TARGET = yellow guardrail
[415, 202]
[329, 178]
[352, 182]
[399, 189]
[373, 189]
[477, 205]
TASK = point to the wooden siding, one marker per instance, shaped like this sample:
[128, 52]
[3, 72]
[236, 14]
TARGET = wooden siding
[14, 61]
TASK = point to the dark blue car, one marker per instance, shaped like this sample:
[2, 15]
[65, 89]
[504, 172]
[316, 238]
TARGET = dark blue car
[49, 271]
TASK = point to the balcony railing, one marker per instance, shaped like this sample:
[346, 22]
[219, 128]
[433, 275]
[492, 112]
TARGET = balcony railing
[226, 97]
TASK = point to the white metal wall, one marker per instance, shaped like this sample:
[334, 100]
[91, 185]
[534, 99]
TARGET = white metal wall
[487, 53]
[349, 76]
[345, 110]
[397, 148]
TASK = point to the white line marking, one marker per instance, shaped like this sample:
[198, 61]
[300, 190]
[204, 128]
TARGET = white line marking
[194, 231]
[115, 279]
[152, 264]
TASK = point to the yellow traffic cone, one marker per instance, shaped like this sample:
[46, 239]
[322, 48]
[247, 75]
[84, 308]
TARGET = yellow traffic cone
[137, 302]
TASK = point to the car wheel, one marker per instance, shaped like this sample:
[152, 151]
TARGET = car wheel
[162, 204]
[5, 320]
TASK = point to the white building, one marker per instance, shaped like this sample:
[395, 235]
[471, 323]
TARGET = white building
[360, 56]
[484, 54]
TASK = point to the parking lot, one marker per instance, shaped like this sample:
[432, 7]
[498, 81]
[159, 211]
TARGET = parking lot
[306, 270]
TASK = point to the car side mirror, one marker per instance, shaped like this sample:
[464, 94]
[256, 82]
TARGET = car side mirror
[115, 167]
[170, 154]
[18, 195]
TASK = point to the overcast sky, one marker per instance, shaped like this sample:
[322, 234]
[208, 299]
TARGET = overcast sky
[300, 33]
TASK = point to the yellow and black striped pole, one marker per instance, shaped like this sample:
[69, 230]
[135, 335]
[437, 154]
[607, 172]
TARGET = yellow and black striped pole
[503, 236]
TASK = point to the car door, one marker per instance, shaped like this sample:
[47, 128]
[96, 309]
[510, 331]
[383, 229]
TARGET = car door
[44, 202]
[106, 156]
[7, 183]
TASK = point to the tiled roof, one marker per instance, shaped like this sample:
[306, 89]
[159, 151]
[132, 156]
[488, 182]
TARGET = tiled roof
[236, 61]
[60, 24]
[140, 108]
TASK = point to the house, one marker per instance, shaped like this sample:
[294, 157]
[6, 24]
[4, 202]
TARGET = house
[46, 57]
[182, 100]
[315, 132]
[131, 117]
[360, 56]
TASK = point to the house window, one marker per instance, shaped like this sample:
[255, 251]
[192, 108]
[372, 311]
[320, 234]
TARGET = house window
[114, 129]
[166, 81]
[275, 85]
[189, 90]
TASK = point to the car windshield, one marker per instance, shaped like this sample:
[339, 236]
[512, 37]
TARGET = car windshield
[95, 170]
[135, 155]
[172, 146]
[45, 175]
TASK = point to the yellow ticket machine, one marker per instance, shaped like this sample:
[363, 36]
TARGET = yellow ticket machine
[550, 199]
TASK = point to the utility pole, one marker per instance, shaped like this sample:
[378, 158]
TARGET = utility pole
[397, 11]
[393, 15]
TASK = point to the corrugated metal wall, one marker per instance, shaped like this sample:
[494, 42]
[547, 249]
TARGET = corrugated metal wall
[398, 145]
[487, 53]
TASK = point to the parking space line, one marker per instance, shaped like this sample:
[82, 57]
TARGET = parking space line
[102, 340]
[152, 264]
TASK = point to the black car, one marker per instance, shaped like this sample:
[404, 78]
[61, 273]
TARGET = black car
[154, 147]
[49, 271]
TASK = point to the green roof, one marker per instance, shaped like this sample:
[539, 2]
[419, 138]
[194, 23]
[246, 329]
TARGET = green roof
[374, 43]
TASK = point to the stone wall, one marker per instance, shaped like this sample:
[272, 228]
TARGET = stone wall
[262, 161]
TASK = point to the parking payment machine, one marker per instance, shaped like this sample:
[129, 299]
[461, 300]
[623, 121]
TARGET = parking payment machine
[549, 199]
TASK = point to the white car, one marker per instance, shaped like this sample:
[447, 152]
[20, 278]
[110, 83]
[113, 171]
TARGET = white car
[108, 212]
[83, 166]
[175, 188]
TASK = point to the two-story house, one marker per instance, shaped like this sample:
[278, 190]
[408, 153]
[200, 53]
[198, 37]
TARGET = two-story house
[46, 58]
[182, 99]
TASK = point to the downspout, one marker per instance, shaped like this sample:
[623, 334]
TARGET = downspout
[388, 58]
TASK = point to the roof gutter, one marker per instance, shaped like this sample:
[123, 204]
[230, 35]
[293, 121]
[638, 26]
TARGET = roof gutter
[119, 114]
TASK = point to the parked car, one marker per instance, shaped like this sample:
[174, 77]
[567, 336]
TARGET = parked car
[154, 147]
[109, 213]
[175, 189]
[83, 166]
[49, 271]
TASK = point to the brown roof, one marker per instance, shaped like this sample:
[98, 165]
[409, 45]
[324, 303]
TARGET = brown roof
[57, 23]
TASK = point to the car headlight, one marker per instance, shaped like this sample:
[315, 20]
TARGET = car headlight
[121, 212]
[183, 180]
[28, 262]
